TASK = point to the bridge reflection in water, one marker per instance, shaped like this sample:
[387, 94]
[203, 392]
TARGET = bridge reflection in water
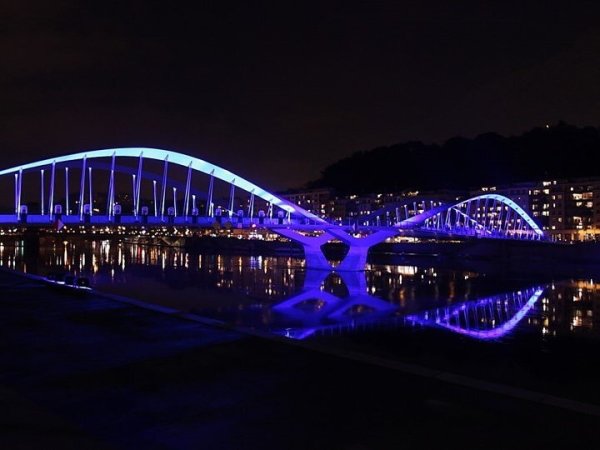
[320, 312]
[487, 318]
[279, 294]
[317, 309]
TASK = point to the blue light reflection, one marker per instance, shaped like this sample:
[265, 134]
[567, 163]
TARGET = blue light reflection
[487, 318]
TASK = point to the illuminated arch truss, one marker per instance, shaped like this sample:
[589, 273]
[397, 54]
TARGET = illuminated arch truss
[85, 165]
[487, 318]
[489, 215]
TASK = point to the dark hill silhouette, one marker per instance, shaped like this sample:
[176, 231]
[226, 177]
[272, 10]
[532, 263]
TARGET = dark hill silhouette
[559, 151]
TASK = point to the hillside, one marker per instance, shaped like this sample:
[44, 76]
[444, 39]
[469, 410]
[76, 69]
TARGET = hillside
[559, 151]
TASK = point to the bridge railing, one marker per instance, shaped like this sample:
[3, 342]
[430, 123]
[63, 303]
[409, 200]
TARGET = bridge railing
[132, 220]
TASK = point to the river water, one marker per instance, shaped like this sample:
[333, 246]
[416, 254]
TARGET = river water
[280, 295]
[481, 319]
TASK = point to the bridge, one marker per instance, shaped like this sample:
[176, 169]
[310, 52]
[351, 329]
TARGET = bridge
[153, 187]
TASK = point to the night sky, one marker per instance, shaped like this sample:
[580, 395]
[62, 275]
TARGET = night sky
[275, 91]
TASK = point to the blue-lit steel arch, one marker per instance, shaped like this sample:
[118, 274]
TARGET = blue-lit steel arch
[172, 157]
[511, 204]
[487, 215]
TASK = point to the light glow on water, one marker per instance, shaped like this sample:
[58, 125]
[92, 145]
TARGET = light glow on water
[250, 290]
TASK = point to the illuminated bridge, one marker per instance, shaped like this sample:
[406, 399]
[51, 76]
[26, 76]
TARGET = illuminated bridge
[152, 187]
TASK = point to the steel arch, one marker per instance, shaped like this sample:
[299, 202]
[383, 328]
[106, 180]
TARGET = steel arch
[180, 159]
[420, 219]
[511, 204]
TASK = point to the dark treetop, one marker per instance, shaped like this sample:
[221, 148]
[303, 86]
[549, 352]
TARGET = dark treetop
[559, 151]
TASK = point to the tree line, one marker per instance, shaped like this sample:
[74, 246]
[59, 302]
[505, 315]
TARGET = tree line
[558, 151]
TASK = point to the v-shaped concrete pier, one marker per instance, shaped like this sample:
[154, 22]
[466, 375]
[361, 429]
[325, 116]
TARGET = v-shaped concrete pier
[355, 259]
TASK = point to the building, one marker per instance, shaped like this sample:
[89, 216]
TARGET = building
[567, 209]
[315, 201]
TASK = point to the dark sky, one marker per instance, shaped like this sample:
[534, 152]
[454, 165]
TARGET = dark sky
[275, 91]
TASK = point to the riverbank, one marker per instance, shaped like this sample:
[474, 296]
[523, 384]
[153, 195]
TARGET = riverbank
[95, 372]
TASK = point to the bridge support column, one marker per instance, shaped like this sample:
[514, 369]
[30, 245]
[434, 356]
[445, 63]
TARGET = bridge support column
[315, 259]
[356, 258]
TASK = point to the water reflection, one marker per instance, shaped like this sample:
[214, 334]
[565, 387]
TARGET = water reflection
[487, 318]
[277, 293]
[317, 309]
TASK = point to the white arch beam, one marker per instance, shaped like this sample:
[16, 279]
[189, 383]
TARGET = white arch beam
[181, 160]
[499, 198]
[515, 207]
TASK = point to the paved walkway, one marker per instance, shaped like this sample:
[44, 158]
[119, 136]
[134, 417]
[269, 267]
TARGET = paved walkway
[98, 373]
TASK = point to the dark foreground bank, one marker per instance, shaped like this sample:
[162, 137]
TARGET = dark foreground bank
[92, 372]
